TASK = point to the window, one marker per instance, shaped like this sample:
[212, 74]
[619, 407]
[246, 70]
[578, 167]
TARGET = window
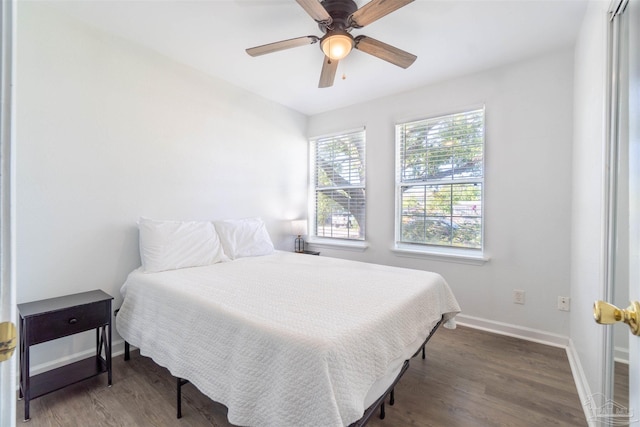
[440, 176]
[339, 185]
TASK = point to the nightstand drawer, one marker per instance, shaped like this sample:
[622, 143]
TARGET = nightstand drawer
[69, 321]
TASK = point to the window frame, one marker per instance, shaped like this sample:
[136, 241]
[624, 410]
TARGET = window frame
[313, 237]
[428, 250]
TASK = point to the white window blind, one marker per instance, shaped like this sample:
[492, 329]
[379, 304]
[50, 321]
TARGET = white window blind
[440, 177]
[338, 167]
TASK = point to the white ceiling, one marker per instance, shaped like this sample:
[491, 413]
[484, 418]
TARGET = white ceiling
[450, 38]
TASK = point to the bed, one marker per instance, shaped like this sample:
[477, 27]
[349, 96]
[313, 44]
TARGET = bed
[285, 339]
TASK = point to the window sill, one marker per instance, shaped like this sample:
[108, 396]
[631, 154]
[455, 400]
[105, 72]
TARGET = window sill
[446, 255]
[350, 245]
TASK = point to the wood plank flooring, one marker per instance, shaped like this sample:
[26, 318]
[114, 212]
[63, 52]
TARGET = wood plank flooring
[470, 378]
[621, 384]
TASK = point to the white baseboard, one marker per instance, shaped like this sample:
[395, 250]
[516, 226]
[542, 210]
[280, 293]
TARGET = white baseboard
[584, 391]
[621, 354]
[116, 346]
[515, 331]
[117, 349]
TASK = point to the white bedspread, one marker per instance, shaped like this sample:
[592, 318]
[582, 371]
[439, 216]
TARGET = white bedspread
[283, 339]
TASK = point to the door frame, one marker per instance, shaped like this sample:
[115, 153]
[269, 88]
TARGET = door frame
[633, 11]
[622, 74]
[611, 164]
[8, 369]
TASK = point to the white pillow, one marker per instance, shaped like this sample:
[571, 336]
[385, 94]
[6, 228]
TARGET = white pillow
[169, 245]
[244, 237]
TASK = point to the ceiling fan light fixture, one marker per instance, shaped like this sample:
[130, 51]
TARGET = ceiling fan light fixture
[337, 45]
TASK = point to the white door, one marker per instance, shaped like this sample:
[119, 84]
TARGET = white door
[7, 282]
[622, 405]
[633, 126]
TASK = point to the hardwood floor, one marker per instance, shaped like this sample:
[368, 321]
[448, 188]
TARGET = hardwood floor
[470, 378]
[621, 384]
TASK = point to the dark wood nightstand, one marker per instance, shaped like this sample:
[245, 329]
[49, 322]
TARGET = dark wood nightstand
[309, 252]
[54, 318]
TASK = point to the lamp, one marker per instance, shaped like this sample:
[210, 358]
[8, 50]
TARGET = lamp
[299, 227]
[336, 44]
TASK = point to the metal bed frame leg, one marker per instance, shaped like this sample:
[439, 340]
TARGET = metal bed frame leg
[392, 397]
[382, 413]
[179, 402]
[423, 353]
[179, 383]
[127, 354]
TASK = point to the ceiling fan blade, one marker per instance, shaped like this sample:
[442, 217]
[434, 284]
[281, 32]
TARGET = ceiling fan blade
[281, 45]
[328, 75]
[316, 11]
[384, 51]
[375, 10]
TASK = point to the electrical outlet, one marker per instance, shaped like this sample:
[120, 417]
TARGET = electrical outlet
[563, 303]
[518, 296]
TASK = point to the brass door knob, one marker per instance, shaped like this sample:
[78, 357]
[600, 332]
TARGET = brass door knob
[7, 340]
[607, 314]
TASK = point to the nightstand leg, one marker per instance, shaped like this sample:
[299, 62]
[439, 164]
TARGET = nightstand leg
[20, 395]
[108, 354]
[26, 380]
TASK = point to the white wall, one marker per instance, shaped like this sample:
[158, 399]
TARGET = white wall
[109, 132]
[587, 212]
[529, 109]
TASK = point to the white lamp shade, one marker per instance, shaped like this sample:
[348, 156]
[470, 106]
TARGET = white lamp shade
[299, 227]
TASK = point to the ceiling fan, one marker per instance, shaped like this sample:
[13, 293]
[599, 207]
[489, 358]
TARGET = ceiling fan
[336, 18]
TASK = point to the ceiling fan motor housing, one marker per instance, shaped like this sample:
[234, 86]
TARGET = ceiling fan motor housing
[340, 11]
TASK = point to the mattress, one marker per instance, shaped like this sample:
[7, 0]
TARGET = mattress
[285, 339]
